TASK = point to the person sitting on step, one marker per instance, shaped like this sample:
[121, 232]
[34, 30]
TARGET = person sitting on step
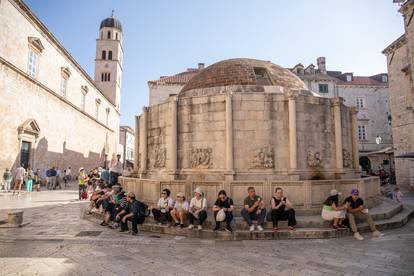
[134, 212]
[254, 210]
[161, 212]
[198, 209]
[357, 210]
[180, 211]
[331, 211]
[282, 209]
[226, 205]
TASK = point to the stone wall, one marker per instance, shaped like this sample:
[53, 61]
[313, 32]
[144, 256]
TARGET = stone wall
[307, 196]
[69, 134]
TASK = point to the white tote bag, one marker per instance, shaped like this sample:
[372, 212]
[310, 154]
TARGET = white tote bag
[221, 215]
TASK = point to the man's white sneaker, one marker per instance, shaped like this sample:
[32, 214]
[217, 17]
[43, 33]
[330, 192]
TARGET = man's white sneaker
[251, 229]
[260, 228]
[358, 236]
[377, 234]
[190, 226]
[200, 227]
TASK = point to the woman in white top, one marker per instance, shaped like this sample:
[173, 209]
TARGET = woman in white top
[198, 209]
[161, 212]
[180, 211]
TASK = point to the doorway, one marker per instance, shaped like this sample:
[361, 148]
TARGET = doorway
[25, 154]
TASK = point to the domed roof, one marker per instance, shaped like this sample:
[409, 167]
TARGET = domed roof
[111, 22]
[243, 71]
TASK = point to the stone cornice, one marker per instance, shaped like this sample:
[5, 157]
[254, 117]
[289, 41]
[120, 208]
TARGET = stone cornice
[47, 89]
[26, 12]
[395, 45]
[406, 6]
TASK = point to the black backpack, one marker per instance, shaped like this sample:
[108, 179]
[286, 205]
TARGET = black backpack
[143, 211]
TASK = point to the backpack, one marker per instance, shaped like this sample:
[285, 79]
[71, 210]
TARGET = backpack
[143, 211]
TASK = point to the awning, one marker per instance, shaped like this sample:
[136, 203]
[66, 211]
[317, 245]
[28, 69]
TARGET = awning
[387, 150]
[406, 155]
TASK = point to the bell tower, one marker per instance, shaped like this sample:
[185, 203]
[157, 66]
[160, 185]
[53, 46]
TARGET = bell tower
[108, 61]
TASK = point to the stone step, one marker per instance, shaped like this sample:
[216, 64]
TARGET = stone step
[397, 220]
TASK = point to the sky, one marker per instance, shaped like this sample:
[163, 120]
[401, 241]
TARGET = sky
[165, 37]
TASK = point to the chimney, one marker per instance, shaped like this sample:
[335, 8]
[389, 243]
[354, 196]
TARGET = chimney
[200, 66]
[321, 65]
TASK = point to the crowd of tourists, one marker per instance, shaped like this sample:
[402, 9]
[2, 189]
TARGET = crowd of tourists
[120, 207]
[31, 179]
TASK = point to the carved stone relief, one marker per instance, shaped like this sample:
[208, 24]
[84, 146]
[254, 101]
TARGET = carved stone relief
[263, 158]
[159, 156]
[314, 159]
[201, 158]
[347, 160]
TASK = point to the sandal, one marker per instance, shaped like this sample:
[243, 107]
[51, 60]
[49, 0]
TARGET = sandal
[291, 228]
[275, 229]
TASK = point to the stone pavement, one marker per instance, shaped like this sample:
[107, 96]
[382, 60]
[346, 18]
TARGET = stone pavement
[54, 242]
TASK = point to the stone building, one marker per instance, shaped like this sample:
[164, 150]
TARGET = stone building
[246, 122]
[53, 113]
[127, 142]
[400, 61]
[370, 95]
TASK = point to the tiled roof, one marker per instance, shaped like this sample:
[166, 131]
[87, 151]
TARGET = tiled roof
[360, 80]
[180, 78]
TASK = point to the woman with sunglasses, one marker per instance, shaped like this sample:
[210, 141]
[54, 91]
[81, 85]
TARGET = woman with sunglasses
[225, 204]
[180, 211]
[165, 204]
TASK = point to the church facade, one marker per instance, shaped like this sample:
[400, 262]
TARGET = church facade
[52, 112]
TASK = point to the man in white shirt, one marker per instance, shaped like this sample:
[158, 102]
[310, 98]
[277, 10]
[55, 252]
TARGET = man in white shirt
[115, 169]
[19, 176]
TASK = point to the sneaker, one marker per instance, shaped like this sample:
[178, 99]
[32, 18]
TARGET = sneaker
[216, 228]
[377, 234]
[176, 224]
[228, 229]
[200, 227]
[260, 228]
[181, 225]
[358, 236]
[190, 226]
[251, 228]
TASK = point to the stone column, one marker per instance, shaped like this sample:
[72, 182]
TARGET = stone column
[229, 136]
[354, 139]
[293, 159]
[172, 149]
[338, 134]
[143, 142]
[136, 145]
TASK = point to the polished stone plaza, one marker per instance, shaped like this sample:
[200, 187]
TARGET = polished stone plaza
[57, 240]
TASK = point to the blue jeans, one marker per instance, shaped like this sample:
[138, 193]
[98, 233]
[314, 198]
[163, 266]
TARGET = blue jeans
[249, 217]
[29, 185]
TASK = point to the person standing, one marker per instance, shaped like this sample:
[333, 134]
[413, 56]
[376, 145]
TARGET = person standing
[115, 169]
[83, 180]
[7, 179]
[19, 177]
[36, 180]
[29, 179]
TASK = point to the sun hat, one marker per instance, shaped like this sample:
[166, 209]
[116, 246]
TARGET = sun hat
[354, 192]
[334, 192]
[198, 191]
[81, 169]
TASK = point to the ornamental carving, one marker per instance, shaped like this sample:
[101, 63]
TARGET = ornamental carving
[314, 159]
[201, 158]
[347, 161]
[263, 158]
[159, 156]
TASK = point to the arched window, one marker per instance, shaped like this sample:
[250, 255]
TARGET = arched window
[109, 76]
[103, 54]
[102, 77]
[109, 55]
[109, 34]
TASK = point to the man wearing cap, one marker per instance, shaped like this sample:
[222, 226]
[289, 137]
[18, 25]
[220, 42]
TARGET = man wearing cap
[357, 210]
[134, 211]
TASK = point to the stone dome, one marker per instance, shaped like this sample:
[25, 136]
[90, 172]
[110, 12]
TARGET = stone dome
[111, 22]
[243, 71]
